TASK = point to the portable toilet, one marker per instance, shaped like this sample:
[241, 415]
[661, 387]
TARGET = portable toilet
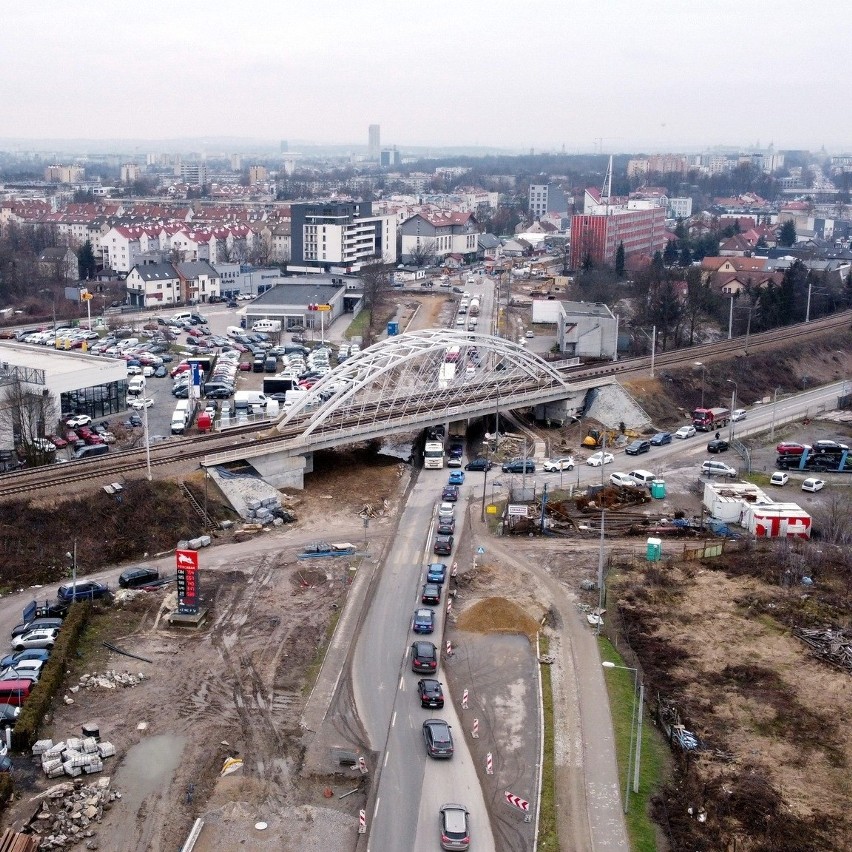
[654, 549]
[658, 489]
[393, 328]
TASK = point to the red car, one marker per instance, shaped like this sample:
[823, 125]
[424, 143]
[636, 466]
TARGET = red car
[245, 366]
[183, 367]
[93, 438]
[788, 448]
[59, 443]
[71, 437]
[83, 432]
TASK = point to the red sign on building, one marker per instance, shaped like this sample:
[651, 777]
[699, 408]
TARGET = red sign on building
[187, 581]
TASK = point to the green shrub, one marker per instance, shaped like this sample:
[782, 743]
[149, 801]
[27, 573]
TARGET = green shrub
[52, 675]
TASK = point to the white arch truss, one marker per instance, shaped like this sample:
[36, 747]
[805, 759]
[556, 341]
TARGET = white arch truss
[434, 372]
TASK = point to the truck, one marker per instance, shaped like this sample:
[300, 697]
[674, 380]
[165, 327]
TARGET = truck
[433, 453]
[446, 374]
[710, 419]
[182, 416]
[473, 307]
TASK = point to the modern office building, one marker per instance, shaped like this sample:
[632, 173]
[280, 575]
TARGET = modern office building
[546, 198]
[374, 144]
[339, 236]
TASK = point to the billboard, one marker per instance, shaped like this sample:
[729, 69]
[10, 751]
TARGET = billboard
[187, 581]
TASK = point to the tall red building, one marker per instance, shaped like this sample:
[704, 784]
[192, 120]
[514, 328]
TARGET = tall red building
[598, 235]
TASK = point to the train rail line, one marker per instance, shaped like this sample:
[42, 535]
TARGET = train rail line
[132, 463]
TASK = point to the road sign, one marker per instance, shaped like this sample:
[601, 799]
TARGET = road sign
[516, 801]
[187, 581]
[480, 551]
[490, 509]
[518, 510]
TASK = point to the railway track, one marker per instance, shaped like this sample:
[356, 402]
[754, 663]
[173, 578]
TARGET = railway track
[132, 463]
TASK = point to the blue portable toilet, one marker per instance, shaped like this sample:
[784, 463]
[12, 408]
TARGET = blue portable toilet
[654, 549]
[393, 328]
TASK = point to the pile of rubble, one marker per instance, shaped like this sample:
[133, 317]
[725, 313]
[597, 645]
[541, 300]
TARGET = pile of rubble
[73, 756]
[108, 680]
[68, 812]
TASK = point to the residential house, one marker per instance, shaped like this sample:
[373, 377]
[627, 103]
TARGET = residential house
[441, 234]
[59, 263]
[199, 281]
[153, 284]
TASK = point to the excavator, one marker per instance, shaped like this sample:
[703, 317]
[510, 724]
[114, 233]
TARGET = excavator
[595, 437]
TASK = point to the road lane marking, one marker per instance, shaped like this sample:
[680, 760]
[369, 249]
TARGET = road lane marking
[387, 755]
[376, 809]
[402, 683]
[393, 720]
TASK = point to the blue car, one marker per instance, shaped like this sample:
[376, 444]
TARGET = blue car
[456, 477]
[661, 438]
[424, 621]
[11, 660]
[436, 572]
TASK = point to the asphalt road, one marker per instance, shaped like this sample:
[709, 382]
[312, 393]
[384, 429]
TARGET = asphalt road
[411, 785]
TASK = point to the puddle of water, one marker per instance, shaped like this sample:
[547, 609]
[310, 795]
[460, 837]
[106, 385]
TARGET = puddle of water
[147, 769]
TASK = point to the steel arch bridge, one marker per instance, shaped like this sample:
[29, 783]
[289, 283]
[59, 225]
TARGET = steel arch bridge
[431, 375]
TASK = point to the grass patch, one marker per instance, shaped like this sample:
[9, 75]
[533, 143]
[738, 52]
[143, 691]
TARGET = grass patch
[654, 753]
[358, 326]
[548, 835]
[313, 670]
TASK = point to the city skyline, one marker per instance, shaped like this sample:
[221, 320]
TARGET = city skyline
[581, 78]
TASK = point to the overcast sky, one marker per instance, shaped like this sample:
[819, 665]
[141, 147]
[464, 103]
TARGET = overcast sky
[637, 74]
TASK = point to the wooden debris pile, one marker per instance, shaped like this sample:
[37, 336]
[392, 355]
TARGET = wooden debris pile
[832, 646]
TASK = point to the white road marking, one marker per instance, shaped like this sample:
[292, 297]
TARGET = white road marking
[401, 684]
[393, 720]
[376, 809]
[387, 755]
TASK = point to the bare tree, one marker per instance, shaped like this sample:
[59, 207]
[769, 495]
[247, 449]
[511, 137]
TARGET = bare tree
[26, 411]
[423, 253]
[376, 279]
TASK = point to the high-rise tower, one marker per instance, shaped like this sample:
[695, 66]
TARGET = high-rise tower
[373, 141]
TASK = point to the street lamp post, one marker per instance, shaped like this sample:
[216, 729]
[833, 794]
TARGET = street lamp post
[634, 757]
[774, 406]
[733, 408]
[703, 375]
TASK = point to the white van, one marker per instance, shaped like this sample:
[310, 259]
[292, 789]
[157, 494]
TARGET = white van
[243, 399]
[135, 386]
[267, 325]
[183, 316]
[642, 477]
[234, 331]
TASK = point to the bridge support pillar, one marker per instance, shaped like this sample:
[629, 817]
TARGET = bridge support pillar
[282, 471]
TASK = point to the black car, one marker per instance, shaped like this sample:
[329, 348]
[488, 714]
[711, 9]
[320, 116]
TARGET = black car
[519, 466]
[431, 594]
[636, 447]
[479, 464]
[424, 657]
[661, 438]
[218, 392]
[450, 493]
[438, 737]
[443, 545]
[431, 693]
[717, 445]
[82, 590]
[141, 575]
[232, 304]
[446, 526]
[135, 420]
[827, 446]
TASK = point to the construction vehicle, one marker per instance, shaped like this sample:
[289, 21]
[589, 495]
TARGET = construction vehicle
[710, 419]
[595, 437]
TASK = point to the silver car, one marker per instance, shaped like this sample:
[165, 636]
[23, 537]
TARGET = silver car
[455, 828]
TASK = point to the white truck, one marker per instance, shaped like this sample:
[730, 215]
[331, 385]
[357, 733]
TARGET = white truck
[433, 455]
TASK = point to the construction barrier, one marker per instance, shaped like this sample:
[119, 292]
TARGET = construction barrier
[464, 700]
[362, 822]
[489, 764]
[449, 648]
[449, 606]
[362, 765]
[475, 732]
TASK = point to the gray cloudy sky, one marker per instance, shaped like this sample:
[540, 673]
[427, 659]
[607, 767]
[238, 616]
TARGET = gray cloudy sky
[639, 74]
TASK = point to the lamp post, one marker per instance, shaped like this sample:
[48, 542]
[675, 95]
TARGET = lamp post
[703, 376]
[634, 757]
[774, 406]
[733, 408]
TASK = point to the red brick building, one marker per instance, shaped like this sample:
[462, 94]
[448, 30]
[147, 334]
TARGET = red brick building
[598, 235]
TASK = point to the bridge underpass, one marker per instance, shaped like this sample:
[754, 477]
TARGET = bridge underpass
[404, 384]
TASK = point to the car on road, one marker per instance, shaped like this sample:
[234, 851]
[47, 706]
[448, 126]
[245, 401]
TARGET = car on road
[446, 525]
[685, 432]
[638, 446]
[443, 545]
[456, 478]
[36, 639]
[717, 445]
[36, 624]
[436, 572]
[9, 715]
[431, 692]
[779, 478]
[813, 485]
[479, 464]
[424, 621]
[601, 458]
[10, 660]
[661, 438]
[791, 448]
[450, 493]
[455, 826]
[78, 420]
[739, 414]
[518, 466]
[438, 737]
[82, 590]
[140, 575]
[454, 461]
[142, 402]
[622, 480]
[424, 657]
[717, 468]
[431, 594]
[553, 465]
